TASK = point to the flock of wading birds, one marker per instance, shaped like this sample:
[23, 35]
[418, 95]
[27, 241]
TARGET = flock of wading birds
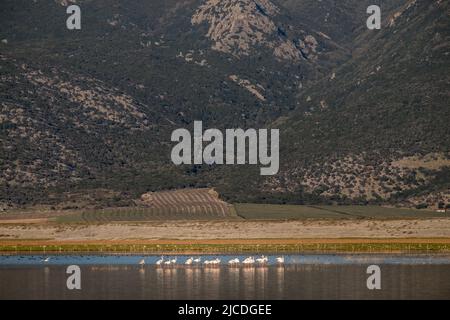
[250, 261]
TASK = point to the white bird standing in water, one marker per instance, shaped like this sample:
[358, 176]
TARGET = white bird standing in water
[214, 262]
[262, 260]
[173, 261]
[189, 261]
[280, 260]
[160, 261]
[168, 262]
[234, 261]
[142, 262]
[198, 260]
[249, 261]
[46, 259]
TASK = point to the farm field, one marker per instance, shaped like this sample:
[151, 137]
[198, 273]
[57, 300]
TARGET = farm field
[205, 205]
[287, 212]
[186, 204]
[208, 210]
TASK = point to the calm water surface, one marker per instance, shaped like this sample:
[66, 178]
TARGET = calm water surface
[301, 277]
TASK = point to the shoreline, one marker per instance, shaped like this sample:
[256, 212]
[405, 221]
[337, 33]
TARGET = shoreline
[231, 236]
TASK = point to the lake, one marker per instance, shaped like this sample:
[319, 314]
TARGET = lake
[300, 277]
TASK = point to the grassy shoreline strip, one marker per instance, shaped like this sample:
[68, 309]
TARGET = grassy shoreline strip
[228, 248]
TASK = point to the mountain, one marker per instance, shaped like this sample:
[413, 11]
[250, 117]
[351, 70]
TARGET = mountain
[86, 116]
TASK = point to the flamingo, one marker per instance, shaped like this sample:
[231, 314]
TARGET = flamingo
[168, 262]
[234, 261]
[173, 261]
[280, 260]
[160, 261]
[249, 261]
[214, 262]
[189, 261]
[198, 260]
[142, 262]
[262, 260]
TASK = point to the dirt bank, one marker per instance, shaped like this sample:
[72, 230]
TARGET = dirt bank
[220, 230]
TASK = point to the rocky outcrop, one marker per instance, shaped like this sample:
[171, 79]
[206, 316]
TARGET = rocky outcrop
[239, 26]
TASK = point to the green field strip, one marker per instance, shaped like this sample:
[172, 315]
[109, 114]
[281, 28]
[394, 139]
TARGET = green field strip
[337, 211]
[350, 248]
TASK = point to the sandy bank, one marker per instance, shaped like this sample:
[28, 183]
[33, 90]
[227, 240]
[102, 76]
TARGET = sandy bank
[197, 230]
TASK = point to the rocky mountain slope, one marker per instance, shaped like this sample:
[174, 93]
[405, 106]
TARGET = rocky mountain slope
[381, 119]
[242, 27]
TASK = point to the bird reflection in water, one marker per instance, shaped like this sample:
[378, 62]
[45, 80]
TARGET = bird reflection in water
[47, 281]
[248, 281]
[212, 276]
[261, 281]
[189, 280]
[166, 281]
[280, 281]
[234, 277]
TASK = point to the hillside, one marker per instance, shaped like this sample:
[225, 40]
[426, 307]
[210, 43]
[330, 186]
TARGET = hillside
[86, 116]
[381, 120]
